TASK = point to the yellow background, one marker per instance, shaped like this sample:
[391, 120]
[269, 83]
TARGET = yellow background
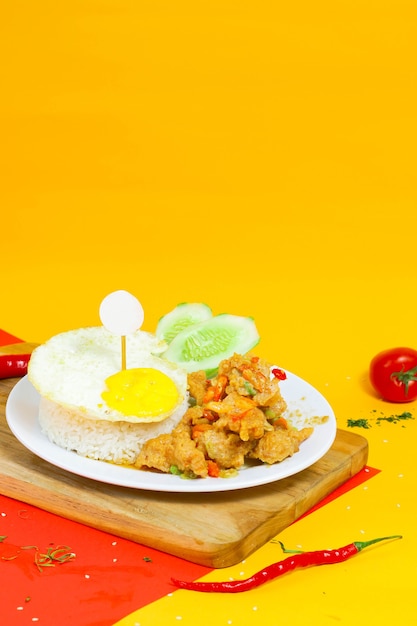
[257, 156]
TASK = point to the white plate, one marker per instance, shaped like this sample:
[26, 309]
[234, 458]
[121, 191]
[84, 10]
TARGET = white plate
[304, 402]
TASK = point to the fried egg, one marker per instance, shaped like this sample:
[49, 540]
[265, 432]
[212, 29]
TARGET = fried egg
[81, 371]
[141, 391]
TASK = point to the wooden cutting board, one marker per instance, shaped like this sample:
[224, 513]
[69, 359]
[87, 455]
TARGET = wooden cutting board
[212, 529]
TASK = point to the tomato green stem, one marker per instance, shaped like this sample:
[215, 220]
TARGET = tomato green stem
[405, 377]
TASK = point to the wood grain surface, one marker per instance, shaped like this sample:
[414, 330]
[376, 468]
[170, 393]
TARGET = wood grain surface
[212, 529]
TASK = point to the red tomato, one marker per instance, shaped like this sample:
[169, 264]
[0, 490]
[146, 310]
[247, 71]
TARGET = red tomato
[393, 374]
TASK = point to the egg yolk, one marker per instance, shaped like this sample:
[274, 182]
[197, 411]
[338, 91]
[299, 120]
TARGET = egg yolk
[141, 391]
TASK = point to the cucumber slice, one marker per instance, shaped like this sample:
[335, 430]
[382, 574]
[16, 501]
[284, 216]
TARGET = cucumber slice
[184, 315]
[202, 346]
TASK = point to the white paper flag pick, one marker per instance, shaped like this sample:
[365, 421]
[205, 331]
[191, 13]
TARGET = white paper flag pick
[121, 313]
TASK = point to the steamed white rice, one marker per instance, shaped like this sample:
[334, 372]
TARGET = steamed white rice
[118, 442]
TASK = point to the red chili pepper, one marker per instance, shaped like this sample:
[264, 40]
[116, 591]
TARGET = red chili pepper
[279, 373]
[217, 391]
[13, 365]
[304, 559]
[209, 415]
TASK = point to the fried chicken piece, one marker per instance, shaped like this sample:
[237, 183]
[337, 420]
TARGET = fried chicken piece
[248, 377]
[272, 398]
[275, 410]
[156, 453]
[191, 416]
[252, 424]
[173, 449]
[277, 445]
[234, 405]
[197, 385]
[187, 456]
[226, 449]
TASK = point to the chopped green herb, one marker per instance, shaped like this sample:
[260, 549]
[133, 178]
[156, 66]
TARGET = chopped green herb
[360, 423]
[395, 418]
[188, 475]
[392, 419]
[10, 558]
[147, 559]
[59, 554]
[251, 391]
[177, 472]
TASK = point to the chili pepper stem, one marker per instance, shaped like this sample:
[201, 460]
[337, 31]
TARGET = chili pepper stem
[360, 545]
[287, 551]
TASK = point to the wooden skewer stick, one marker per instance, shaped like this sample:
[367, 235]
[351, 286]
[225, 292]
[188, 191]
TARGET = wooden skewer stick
[121, 314]
[123, 340]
